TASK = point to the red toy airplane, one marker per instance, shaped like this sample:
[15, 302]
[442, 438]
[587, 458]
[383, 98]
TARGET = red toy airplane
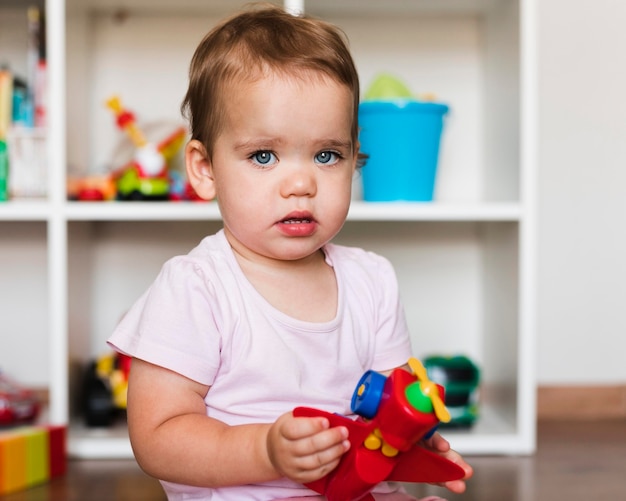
[396, 413]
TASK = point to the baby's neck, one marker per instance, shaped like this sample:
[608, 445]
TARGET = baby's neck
[305, 289]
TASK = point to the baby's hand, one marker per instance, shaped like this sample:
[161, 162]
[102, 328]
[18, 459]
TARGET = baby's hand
[305, 449]
[441, 446]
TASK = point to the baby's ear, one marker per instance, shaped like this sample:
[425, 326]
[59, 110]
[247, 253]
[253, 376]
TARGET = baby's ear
[199, 170]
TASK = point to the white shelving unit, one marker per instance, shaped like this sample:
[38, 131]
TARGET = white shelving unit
[465, 262]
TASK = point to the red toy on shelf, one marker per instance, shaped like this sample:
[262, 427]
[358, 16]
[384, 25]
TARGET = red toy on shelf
[18, 405]
[396, 413]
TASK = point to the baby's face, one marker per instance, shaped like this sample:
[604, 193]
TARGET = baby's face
[283, 164]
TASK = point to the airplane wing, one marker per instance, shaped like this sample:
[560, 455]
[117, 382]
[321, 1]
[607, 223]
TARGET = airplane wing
[421, 465]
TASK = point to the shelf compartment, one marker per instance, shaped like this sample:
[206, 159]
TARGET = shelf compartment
[458, 281]
[453, 51]
[24, 303]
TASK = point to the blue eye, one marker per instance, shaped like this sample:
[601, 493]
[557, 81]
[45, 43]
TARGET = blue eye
[263, 157]
[327, 157]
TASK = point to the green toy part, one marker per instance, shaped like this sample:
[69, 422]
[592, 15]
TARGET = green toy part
[418, 399]
[385, 87]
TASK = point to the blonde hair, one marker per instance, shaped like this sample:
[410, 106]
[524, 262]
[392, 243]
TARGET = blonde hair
[247, 46]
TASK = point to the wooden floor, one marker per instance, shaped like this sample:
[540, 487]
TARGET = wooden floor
[575, 461]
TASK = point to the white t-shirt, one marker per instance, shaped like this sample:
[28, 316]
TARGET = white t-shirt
[203, 319]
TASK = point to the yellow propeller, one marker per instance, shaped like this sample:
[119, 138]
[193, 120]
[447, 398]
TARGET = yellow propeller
[430, 389]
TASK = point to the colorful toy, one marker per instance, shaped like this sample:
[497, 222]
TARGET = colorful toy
[18, 405]
[92, 188]
[145, 177]
[401, 135]
[396, 413]
[460, 378]
[31, 455]
[105, 389]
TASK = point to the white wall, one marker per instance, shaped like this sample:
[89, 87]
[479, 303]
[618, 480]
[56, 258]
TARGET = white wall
[582, 192]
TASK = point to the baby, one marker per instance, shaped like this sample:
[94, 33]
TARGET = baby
[267, 314]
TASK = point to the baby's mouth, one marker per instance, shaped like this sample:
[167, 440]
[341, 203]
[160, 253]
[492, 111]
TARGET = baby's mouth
[298, 217]
[298, 224]
[296, 221]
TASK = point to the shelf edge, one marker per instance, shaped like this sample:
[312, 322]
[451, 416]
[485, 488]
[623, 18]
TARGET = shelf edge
[434, 211]
[24, 210]
[359, 211]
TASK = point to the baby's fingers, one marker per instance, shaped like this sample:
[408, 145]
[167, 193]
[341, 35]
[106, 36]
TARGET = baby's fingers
[292, 428]
[329, 443]
[457, 486]
[310, 436]
[305, 449]
[321, 461]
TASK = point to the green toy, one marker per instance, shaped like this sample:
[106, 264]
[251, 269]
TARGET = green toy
[386, 87]
[460, 378]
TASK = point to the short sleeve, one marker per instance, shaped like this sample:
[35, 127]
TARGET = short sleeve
[173, 324]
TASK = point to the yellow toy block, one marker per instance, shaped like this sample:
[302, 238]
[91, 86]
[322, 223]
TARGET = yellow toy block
[37, 456]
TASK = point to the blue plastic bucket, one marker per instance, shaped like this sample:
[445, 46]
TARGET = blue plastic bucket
[401, 138]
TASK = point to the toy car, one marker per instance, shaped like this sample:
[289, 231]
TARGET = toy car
[132, 185]
[460, 378]
[18, 405]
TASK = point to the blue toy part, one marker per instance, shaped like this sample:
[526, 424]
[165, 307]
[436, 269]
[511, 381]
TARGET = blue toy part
[431, 432]
[368, 394]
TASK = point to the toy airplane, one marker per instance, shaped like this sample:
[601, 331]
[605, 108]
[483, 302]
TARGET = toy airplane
[396, 413]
